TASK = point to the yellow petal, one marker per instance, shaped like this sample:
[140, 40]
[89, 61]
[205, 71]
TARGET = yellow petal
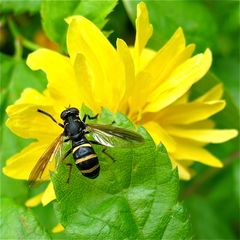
[184, 172]
[143, 31]
[34, 201]
[48, 195]
[146, 56]
[205, 124]
[172, 54]
[106, 67]
[59, 71]
[20, 165]
[127, 60]
[204, 135]
[213, 94]
[156, 71]
[183, 99]
[32, 96]
[160, 135]
[189, 71]
[58, 228]
[138, 96]
[26, 122]
[191, 112]
[187, 150]
[176, 60]
[179, 82]
[85, 80]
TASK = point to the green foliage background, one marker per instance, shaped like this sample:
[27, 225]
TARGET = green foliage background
[212, 197]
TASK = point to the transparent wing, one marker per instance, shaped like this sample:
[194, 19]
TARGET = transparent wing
[111, 136]
[44, 160]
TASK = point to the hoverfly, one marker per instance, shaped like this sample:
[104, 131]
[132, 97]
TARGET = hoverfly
[84, 155]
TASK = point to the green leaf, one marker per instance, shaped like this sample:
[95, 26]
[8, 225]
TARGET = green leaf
[18, 222]
[53, 14]
[207, 224]
[133, 198]
[166, 16]
[19, 7]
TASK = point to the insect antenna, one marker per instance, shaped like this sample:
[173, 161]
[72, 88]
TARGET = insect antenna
[68, 106]
[49, 115]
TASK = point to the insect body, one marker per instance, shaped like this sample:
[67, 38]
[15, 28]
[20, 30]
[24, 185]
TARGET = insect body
[84, 155]
[85, 158]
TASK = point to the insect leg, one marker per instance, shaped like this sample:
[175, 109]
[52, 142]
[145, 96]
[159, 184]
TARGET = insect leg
[103, 150]
[68, 164]
[66, 154]
[86, 132]
[90, 118]
[49, 115]
[69, 172]
[107, 154]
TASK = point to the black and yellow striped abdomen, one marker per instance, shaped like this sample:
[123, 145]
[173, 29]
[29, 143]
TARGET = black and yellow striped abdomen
[86, 160]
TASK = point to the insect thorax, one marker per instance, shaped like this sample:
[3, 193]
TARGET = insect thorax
[74, 127]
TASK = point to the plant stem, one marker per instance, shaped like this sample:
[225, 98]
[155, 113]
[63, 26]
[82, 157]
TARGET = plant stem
[18, 49]
[19, 38]
[30, 45]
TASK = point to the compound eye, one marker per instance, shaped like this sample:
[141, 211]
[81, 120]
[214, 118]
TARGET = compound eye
[68, 112]
[64, 114]
[74, 111]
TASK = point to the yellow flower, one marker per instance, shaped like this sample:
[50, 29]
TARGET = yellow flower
[150, 87]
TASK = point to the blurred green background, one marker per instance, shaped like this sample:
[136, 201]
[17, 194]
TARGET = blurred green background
[213, 195]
